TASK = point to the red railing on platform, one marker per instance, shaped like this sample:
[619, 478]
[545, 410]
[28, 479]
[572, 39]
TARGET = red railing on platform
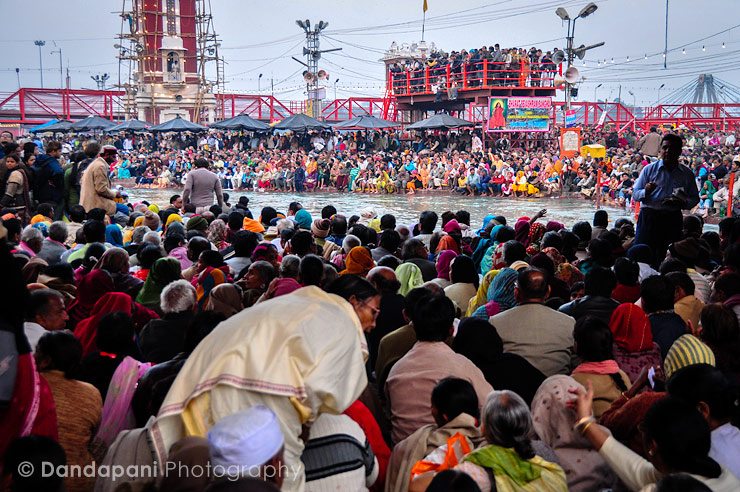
[480, 75]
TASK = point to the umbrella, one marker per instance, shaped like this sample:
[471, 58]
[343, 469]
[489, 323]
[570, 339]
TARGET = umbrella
[178, 125]
[41, 128]
[440, 121]
[365, 122]
[241, 122]
[301, 122]
[91, 123]
[130, 126]
[60, 126]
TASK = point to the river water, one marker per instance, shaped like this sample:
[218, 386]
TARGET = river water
[407, 208]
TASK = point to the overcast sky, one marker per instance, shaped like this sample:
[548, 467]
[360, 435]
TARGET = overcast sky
[260, 36]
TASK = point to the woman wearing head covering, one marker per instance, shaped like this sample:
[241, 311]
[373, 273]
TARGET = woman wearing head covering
[303, 219]
[521, 231]
[217, 234]
[114, 235]
[536, 233]
[511, 460]
[209, 278]
[359, 261]
[111, 302]
[409, 275]
[500, 294]
[553, 421]
[172, 219]
[633, 340]
[444, 259]
[164, 271]
[225, 299]
[478, 340]
[91, 288]
[481, 296]
[447, 242]
[115, 261]
[280, 287]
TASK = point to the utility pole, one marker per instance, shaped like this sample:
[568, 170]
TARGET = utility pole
[665, 47]
[40, 44]
[313, 52]
[61, 72]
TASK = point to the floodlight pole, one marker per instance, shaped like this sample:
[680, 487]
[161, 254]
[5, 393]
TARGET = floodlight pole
[40, 44]
[313, 55]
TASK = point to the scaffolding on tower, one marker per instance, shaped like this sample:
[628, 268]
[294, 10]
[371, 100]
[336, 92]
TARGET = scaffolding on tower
[208, 45]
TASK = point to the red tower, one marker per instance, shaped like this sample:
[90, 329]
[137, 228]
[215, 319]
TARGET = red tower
[170, 47]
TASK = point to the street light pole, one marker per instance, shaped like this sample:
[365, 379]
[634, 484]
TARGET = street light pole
[40, 44]
[595, 88]
[335, 89]
[18, 76]
[259, 84]
[659, 88]
[589, 9]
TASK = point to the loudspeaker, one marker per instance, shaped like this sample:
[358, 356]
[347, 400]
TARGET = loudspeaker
[572, 75]
[558, 56]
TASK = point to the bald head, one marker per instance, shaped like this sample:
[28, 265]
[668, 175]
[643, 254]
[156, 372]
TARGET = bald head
[384, 279]
[531, 286]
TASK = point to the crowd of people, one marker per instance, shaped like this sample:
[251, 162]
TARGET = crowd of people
[346, 351]
[486, 66]
[391, 162]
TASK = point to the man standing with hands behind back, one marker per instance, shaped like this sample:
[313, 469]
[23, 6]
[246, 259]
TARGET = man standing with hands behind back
[664, 188]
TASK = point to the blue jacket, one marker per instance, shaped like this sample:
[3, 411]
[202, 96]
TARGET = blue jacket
[48, 180]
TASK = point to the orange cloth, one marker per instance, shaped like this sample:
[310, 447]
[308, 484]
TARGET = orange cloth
[448, 242]
[252, 225]
[359, 261]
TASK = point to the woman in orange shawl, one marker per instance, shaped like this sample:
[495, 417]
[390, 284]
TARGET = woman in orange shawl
[359, 261]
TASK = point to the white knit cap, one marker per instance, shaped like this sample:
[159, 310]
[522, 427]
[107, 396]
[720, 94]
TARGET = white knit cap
[246, 439]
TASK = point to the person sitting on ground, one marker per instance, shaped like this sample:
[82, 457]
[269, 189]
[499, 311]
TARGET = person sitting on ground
[678, 440]
[428, 362]
[593, 345]
[456, 412]
[161, 339]
[45, 312]
[627, 273]
[686, 304]
[549, 351]
[658, 294]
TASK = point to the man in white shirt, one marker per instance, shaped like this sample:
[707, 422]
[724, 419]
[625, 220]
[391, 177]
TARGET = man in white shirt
[46, 312]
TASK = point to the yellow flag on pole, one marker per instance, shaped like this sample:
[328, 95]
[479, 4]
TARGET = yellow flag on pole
[425, 5]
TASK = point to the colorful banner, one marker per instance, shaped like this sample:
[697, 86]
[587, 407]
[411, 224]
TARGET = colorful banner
[570, 142]
[570, 118]
[519, 114]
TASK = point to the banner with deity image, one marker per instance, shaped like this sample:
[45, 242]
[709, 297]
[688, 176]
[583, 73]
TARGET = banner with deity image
[519, 114]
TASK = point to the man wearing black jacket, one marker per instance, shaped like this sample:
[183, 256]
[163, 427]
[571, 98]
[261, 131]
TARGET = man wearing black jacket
[48, 179]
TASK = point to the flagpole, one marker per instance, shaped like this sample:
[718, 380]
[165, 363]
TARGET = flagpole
[423, 23]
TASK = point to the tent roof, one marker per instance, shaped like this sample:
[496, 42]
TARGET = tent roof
[178, 125]
[365, 122]
[440, 121]
[241, 122]
[301, 122]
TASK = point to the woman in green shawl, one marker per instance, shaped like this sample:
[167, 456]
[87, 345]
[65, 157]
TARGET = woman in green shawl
[706, 194]
[511, 459]
[163, 272]
[409, 275]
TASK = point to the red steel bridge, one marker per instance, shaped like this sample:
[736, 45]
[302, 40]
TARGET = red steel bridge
[33, 106]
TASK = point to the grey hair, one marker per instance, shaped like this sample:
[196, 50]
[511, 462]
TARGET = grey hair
[285, 224]
[30, 235]
[177, 297]
[58, 231]
[507, 422]
[290, 266]
[138, 235]
[152, 237]
[350, 241]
